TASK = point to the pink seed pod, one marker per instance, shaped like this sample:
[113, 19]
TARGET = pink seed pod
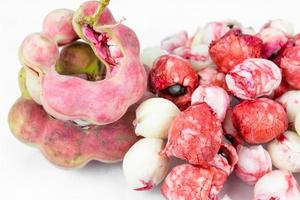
[273, 40]
[38, 51]
[172, 42]
[66, 144]
[143, 167]
[190, 182]
[117, 47]
[195, 135]
[254, 162]
[290, 101]
[58, 26]
[253, 78]
[216, 97]
[211, 77]
[277, 184]
[285, 151]
[281, 24]
[259, 121]
[290, 65]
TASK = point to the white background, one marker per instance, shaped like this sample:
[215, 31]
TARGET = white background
[24, 173]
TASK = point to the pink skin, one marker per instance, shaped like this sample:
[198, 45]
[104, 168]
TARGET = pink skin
[290, 66]
[195, 135]
[277, 184]
[254, 162]
[66, 144]
[259, 121]
[212, 77]
[95, 102]
[58, 26]
[253, 78]
[38, 51]
[190, 182]
[273, 40]
[216, 97]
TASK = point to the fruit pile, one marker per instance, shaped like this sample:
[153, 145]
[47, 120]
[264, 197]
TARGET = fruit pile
[215, 101]
[238, 93]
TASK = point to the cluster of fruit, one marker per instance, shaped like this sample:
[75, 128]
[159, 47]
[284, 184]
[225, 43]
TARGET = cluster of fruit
[218, 98]
[238, 93]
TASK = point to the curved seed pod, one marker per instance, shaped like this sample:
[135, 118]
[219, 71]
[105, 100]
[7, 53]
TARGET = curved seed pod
[117, 47]
[66, 144]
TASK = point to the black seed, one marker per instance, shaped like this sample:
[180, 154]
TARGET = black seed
[230, 26]
[230, 138]
[224, 152]
[176, 90]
